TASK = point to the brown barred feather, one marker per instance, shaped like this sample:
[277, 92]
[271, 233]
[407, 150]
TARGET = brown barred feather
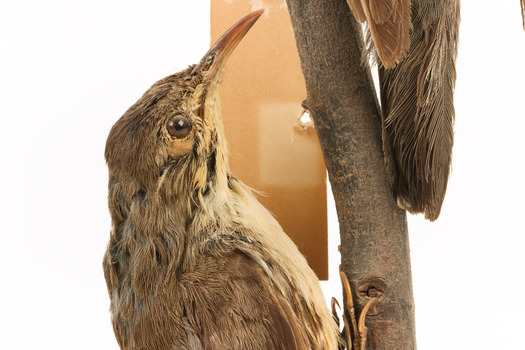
[389, 23]
[418, 110]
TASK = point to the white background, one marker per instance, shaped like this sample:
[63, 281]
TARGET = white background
[69, 69]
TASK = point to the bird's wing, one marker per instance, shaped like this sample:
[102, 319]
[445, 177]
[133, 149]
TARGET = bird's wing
[389, 23]
[234, 305]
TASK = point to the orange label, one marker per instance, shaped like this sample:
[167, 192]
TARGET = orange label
[272, 149]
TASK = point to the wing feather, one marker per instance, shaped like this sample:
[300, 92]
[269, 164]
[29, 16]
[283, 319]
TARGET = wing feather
[418, 109]
[381, 10]
[235, 303]
[357, 10]
[389, 24]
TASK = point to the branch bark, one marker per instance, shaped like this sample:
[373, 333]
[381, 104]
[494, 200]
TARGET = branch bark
[342, 101]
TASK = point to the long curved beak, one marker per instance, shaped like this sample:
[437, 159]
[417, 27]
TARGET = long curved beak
[215, 59]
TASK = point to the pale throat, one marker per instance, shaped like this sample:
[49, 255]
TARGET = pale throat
[211, 133]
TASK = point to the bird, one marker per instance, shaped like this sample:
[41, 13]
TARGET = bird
[414, 44]
[194, 261]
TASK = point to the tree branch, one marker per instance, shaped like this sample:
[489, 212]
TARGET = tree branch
[343, 104]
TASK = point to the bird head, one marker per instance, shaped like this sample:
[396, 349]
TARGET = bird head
[171, 141]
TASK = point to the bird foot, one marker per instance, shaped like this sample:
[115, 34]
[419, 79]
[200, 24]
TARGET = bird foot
[358, 329]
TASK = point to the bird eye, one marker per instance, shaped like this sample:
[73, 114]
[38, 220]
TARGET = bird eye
[179, 126]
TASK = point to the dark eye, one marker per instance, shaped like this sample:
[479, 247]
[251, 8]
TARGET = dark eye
[179, 126]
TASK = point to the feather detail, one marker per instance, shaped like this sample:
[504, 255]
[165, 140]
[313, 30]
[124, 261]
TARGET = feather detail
[357, 10]
[418, 110]
[381, 10]
[389, 24]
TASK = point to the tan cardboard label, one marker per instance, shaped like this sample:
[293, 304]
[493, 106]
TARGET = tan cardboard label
[271, 149]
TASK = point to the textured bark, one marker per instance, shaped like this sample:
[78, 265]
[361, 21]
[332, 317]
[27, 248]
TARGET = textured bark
[342, 101]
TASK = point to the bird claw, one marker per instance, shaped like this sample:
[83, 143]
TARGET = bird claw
[363, 330]
[359, 330]
[351, 343]
[334, 302]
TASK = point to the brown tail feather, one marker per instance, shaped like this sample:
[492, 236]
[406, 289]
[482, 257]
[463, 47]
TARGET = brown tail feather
[418, 109]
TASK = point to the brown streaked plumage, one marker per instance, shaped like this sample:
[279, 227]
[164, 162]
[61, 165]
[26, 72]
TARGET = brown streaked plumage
[194, 260]
[418, 108]
[389, 24]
